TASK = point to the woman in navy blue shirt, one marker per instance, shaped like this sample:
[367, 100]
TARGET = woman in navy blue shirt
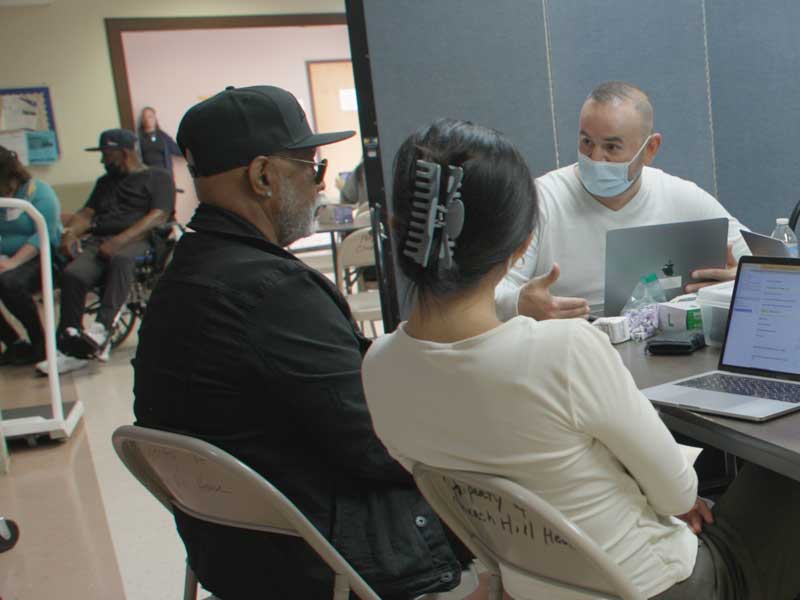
[20, 276]
[156, 146]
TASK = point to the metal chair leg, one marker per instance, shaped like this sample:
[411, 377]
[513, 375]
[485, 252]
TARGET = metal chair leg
[341, 588]
[495, 587]
[190, 584]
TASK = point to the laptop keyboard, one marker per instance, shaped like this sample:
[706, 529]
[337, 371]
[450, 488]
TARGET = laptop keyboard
[747, 386]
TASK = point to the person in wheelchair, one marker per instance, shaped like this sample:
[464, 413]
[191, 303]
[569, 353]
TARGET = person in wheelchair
[103, 241]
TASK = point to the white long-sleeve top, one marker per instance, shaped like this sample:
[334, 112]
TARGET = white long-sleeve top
[572, 228]
[551, 406]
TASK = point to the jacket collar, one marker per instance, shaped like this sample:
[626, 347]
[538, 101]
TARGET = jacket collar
[220, 221]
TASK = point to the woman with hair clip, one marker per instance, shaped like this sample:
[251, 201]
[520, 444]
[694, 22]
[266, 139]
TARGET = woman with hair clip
[156, 146]
[549, 404]
[20, 276]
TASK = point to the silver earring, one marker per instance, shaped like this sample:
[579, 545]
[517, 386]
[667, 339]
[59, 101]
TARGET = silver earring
[269, 194]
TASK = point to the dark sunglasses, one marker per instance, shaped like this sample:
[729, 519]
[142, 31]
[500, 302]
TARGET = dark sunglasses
[319, 167]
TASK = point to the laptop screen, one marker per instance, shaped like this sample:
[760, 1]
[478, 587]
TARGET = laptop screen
[764, 322]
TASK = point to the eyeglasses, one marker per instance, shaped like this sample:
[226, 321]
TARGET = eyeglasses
[319, 167]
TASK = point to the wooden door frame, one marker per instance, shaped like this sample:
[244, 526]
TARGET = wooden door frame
[116, 27]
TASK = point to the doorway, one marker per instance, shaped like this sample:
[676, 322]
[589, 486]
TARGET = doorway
[334, 108]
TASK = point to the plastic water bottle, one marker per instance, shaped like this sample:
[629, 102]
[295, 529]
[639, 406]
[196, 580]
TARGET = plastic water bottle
[785, 234]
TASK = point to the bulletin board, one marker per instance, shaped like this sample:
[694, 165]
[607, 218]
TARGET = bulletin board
[27, 124]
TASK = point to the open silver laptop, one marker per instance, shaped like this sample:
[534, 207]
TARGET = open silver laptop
[670, 250]
[763, 245]
[759, 367]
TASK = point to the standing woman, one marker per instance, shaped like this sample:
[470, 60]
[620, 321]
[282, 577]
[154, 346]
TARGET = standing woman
[20, 276]
[156, 146]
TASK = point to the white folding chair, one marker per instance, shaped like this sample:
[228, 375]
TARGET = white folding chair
[356, 251]
[519, 536]
[207, 483]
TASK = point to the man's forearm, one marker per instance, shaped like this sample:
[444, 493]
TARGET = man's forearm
[141, 228]
[80, 223]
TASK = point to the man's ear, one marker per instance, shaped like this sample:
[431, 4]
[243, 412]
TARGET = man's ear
[258, 175]
[651, 149]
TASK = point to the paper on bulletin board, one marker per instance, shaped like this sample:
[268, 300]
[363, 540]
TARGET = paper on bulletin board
[21, 112]
[347, 100]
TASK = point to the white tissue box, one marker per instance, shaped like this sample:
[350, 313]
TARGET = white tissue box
[616, 328]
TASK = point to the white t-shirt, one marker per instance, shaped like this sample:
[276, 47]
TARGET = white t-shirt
[551, 406]
[572, 231]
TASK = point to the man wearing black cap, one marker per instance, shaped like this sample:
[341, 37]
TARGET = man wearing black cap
[102, 241]
[246, 347]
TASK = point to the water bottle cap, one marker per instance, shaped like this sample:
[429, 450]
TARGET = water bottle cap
[782, 221]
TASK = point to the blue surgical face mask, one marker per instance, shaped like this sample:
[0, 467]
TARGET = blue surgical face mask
[606, 179]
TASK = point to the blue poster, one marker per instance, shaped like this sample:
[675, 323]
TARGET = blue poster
[42, 148]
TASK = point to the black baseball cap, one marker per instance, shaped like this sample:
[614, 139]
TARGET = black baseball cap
[231, 128]
[115, 139]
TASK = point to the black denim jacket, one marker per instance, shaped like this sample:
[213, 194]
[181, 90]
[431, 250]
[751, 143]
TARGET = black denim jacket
[246, 347]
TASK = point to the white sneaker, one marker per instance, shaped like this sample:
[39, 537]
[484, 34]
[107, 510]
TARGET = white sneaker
[104, 354]
[97, 334]
[64, 363]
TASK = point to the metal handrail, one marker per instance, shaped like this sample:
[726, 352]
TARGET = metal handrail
[46, 268]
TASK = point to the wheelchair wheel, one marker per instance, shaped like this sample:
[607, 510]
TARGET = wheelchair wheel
[9, 534]
[126, 321]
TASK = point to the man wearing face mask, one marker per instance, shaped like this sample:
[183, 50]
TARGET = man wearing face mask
[611, 186]
[249, 349]
[102, 241]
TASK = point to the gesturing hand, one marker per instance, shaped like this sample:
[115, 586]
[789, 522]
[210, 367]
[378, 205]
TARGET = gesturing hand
[699, 514]
[535, 299]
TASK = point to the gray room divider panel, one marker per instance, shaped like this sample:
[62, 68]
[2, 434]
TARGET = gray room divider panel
[452, 58]
[486, 62]
[656, 45]
[754, 53]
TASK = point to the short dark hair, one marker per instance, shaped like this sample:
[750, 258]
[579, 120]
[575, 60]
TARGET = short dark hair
[499, 203]
[620, 90]
[11, 167]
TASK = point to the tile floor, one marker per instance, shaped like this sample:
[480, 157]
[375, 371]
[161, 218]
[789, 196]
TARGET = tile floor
[88, 529]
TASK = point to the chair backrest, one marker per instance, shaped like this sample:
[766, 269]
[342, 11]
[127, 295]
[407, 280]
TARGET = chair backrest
[362, 216]
[209, 484]
[357, 250]
[510, 527]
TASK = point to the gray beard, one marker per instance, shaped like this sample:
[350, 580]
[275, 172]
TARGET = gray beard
[295, 220]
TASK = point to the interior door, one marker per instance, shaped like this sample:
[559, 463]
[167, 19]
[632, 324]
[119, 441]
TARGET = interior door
[334, 108]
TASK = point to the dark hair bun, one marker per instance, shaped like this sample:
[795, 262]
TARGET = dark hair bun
[497, 191]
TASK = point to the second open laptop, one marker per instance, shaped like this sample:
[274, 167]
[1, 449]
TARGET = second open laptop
[763, 245]
[758, 377]
[670, 250]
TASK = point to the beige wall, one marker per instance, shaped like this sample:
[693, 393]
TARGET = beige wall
[172, 70]
[64, 46]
